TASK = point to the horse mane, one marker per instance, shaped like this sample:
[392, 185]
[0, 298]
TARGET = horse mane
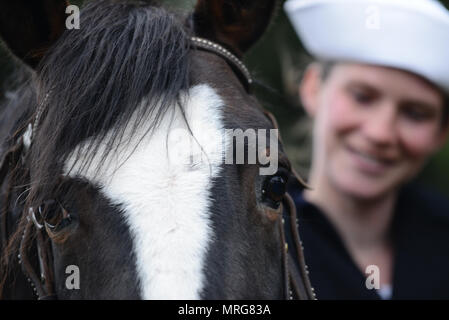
[98, 76]
[125, 53]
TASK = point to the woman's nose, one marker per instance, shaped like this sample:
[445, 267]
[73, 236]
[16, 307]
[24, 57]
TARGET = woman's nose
[380, 126]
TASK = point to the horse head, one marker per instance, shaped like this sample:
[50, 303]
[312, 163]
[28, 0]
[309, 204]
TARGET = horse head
[147, 168]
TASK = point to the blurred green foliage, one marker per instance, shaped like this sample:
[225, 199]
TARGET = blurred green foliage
[277, 61]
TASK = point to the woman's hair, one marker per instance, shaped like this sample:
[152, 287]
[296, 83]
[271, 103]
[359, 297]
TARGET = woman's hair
[327, 66]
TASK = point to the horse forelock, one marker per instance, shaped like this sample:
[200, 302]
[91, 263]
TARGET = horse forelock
[98, 76]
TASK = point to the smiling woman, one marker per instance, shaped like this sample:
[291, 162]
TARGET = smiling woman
[377, 97]
[380, 123]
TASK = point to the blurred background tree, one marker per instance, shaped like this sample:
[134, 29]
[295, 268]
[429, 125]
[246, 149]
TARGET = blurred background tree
[277, 62]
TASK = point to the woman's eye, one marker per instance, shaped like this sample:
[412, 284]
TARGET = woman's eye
[361, 94]
[274, 190]
[361, 97]
[417, 115]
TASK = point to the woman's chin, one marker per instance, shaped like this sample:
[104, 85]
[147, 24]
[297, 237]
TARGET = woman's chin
[362, 189]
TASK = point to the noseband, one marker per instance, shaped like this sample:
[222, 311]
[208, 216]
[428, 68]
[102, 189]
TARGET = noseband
[295, 274]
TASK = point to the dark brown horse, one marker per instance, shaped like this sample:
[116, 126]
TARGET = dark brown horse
[100, 199]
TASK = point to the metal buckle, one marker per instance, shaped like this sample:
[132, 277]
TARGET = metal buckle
[32, 216]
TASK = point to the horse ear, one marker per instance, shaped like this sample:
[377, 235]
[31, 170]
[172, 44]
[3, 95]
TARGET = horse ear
[238, 24]
[30, 27]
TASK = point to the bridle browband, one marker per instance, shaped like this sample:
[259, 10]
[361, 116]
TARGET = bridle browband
[296, 281]
[219, 50]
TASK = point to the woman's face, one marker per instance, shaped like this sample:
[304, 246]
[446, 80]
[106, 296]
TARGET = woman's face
[375, 126]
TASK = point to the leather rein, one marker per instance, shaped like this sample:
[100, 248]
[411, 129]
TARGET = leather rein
[295, 274]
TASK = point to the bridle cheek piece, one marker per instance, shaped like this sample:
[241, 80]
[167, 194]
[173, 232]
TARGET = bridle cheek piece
[295, 273]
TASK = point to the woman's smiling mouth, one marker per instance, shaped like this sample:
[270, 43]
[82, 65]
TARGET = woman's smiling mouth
[369, 163]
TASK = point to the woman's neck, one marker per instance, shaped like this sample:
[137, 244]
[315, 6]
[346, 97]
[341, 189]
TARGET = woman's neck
[359, 221]
[363, 225]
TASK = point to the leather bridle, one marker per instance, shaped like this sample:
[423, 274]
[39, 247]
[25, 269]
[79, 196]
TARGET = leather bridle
[295, 274]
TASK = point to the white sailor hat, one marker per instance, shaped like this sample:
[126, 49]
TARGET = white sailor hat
[412, 35]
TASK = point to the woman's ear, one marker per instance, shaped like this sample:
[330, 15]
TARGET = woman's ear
[309, 88]
[30, 27]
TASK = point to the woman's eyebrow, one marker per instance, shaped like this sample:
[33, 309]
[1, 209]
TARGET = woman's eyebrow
[361, 84]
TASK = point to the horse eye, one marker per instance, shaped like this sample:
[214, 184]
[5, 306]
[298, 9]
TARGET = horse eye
[54, 215]
[274, 190]
[49, 210]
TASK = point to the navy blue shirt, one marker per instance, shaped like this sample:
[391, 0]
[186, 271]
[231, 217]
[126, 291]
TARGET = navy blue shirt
[420, 236]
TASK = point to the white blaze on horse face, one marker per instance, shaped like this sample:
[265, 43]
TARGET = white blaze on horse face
[166, 201]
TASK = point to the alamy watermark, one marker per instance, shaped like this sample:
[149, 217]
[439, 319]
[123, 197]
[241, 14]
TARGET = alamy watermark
[231, 146]
[73, 20]
[72, 281]
[372, 20]
[373, 279]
